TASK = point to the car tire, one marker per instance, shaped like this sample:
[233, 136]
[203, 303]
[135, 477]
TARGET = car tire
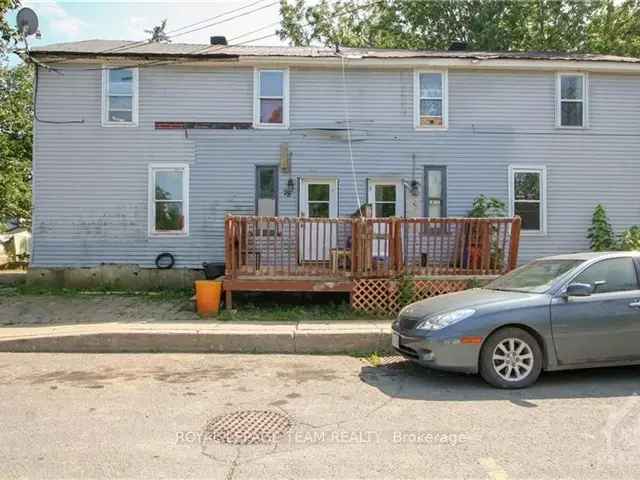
[511, 358]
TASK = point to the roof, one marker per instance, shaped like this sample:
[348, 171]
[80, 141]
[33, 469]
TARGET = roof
[123, 48]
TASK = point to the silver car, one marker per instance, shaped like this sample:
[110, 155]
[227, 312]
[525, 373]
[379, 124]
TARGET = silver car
[562, 312]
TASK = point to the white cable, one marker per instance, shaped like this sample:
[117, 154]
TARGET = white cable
[348, 124]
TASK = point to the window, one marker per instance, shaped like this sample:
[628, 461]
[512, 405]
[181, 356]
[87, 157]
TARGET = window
[120, 97]
[271, 102]
[168, 199]
[267, 191]
[572, 106]
[430, 100]
[614, 275]
[527, 192]
[319, 200]
[385, 201]
[435, 181]
[386, 197]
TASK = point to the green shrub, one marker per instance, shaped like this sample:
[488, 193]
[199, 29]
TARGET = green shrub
[600, 232]
[406, 290]
[629, 239]
[484, 207]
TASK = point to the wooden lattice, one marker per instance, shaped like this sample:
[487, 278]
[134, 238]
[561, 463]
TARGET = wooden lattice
[381, 295]
[430, 288]
[374, 296]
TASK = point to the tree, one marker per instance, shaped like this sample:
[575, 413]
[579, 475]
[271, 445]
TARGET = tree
[15, 128]
[15, 144]
[158, 34]
[490, 25]
[8, 34]
[600, 232]
[616, 29]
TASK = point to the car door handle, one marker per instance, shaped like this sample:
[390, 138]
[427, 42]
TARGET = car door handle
[635, 304]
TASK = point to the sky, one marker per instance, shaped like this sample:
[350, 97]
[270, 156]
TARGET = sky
[73, 20]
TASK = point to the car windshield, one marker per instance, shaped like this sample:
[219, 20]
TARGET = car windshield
[535, 277]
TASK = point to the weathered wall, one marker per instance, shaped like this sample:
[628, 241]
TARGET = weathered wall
[114, 277]
[91, 182]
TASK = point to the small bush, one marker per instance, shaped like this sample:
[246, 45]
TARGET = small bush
[629, 239]
[406, 290]
[600, 232]
[484, 207]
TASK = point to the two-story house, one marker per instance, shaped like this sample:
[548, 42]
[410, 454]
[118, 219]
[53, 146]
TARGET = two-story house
[143, 148]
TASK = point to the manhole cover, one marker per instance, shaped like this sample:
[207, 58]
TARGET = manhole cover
[248, 427]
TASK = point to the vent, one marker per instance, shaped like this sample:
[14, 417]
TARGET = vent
[218, 40]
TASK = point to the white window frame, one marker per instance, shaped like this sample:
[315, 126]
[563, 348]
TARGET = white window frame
[257, 98]
[542, 171]
[151, 204]
[105, 99]
[417, 98]
[395, 182]
[584, 100]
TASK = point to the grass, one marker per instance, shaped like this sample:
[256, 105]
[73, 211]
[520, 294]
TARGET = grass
[165, 294]
[292, 307]
[264, 307]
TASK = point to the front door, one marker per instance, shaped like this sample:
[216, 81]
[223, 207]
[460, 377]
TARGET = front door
[318, 200]
[604, 327]
[387, 200]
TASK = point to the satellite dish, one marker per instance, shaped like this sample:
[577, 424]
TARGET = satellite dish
[27, 22]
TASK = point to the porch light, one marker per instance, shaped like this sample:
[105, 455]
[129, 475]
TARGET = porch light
[414, 188]
[290, 188]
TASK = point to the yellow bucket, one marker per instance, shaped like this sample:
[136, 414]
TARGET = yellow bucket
[208, 293]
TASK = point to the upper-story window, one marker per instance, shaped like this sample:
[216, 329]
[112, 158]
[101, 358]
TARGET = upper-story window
[571, 110]
[271, 98]
[430, 100]
[120, 97]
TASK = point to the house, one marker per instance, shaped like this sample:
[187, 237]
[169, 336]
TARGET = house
[145, 148]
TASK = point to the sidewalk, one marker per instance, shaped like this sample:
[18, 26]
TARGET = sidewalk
[200, 337]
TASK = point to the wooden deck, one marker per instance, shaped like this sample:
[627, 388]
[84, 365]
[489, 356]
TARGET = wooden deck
[295, 254]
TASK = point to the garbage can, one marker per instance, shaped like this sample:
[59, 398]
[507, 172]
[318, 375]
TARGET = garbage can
[208, 294]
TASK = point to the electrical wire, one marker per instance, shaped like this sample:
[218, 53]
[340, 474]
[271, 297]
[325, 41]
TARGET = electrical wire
[35, 105]
[215, 17]
[347, 115]
[140, 43]
[244, 14]
[271, 25]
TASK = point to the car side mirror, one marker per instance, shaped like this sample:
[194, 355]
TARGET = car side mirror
[579, 290]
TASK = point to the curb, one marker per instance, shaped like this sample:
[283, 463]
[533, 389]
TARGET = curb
[287, 341]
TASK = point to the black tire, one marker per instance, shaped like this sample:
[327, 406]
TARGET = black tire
[489, 369]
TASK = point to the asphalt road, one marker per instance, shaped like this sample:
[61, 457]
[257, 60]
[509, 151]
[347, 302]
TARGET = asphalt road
[155, 416]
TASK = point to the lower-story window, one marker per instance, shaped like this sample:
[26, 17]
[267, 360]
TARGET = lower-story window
[528, 192]
[168, 199]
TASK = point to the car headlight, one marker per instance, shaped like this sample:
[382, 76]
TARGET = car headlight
[445, 319]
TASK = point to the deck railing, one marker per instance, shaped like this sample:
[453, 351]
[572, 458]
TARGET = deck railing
[369, 247]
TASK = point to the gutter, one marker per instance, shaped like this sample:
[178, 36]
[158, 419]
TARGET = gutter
[479, 63]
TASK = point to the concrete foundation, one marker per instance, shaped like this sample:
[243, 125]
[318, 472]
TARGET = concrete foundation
[115, 277]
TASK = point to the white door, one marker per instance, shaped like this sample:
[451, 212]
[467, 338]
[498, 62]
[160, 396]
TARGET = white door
[318, 199]
[387, 200]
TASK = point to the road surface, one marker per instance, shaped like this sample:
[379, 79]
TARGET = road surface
[167, 416]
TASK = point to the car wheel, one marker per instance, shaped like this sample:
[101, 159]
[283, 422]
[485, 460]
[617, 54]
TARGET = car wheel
[511, 358]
